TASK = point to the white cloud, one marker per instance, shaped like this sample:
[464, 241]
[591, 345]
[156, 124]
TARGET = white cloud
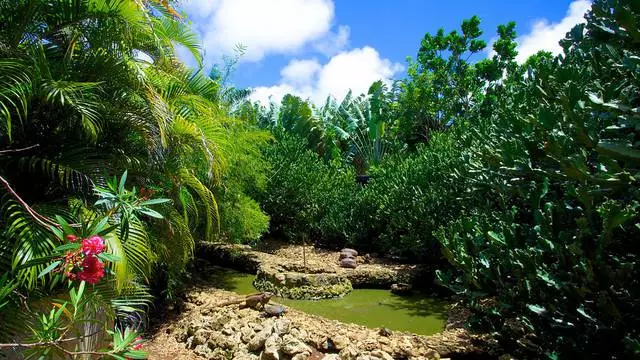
[300, 72]
[334, 43]
[356, 69]
[545, 35]
[264, 27]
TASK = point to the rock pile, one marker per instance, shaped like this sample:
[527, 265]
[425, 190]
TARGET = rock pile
[227, 332]
[219, 333]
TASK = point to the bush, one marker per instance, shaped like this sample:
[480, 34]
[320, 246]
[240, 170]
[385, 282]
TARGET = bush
[306, 198]
[242, 220]
[410, 196]
[550, 248]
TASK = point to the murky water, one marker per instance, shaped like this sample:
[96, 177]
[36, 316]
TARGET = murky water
[373, 308]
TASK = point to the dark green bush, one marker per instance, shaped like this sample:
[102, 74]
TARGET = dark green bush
[410, 196]
[548, 258]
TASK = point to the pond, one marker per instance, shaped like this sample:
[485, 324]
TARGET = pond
[418, 314]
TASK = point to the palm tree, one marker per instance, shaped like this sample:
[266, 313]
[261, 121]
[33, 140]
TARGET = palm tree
[79, 102]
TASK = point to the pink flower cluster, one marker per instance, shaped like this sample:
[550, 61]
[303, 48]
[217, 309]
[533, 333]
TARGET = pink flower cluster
[83, 264]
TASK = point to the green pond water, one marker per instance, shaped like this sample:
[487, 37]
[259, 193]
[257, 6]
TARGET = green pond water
[418, 314]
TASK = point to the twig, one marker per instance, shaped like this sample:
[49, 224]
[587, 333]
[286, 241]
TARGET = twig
[42, 220]
[9, 151]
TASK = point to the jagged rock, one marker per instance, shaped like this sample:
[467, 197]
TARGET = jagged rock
[349, 353]
[281, 278]
[246, 334]
[282, 326]
[259, 339]
[227, 330]
[303, 356]
[381, 355]
[370, 344]
[271, 348]
[244, 355]
[340, 342]
[331, 357]
[401, 289]
[293, 346]
[204, 351]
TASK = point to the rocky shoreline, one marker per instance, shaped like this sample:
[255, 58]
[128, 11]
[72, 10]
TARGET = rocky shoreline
[205, 329]
[211, 325]
[284, 273]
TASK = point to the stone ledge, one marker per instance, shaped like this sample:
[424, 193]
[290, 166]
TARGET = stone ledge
[285, 275]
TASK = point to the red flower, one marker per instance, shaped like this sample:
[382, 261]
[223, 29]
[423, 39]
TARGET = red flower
[137, 345]
[71, 238]
[93, 245]
[92, 270]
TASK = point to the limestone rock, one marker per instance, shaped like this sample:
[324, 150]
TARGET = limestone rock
[259, 339]
[331, 357]
[340, 342]
[381, 355]
[349, 353]
[345, 255]
[293, 346]
[282, 326]
[246, 334]
[301, 356]
[271, 348]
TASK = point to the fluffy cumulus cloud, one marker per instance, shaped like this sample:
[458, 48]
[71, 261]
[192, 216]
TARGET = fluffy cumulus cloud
[545, 35]
[348, 70]
[264, 27]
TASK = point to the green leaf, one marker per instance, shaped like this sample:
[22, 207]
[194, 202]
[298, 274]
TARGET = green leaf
[619, 150]
[69, 246]
[123, 180]
[151, 213]
[136, 354]
[496, 237]
[97, 228]
[536, 309]
[155, 201]
[581, 311]
[49, 268]
[108, 257]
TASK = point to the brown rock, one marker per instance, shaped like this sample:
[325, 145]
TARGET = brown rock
[349, 263]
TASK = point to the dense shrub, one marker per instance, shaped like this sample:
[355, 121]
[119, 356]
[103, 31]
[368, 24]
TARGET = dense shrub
[306, 198]
[552, 246]
[408, 198]
[242, 220]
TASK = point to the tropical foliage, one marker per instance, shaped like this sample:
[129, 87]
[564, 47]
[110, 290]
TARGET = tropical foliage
[90, 90]
[518, 182]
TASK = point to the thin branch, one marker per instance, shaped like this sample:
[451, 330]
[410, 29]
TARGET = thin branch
[40, 219]
[75, 353]
[10, 151]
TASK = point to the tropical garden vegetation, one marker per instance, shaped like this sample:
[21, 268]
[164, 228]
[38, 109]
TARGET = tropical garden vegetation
[517, 184]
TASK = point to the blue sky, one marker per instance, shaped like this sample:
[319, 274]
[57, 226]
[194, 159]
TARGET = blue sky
[318, 47]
